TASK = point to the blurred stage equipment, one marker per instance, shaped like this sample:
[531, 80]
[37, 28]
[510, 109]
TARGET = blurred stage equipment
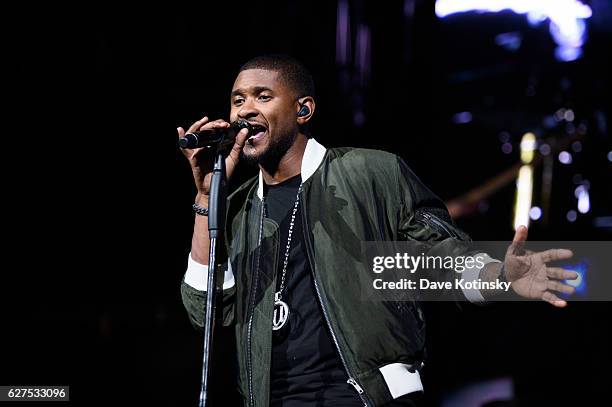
[482, 393]
[567, 18]
[524, 183]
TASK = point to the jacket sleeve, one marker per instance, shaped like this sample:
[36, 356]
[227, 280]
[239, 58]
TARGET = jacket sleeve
[424, 218]
[193, 293]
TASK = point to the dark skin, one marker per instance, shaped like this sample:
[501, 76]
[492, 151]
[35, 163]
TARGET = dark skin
[530, 274]
[262, 98]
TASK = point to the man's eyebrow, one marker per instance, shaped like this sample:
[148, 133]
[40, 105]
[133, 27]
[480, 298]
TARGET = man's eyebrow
[255, 90]
[258, 89]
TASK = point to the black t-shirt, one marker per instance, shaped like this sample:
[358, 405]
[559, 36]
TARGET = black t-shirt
[306, 369]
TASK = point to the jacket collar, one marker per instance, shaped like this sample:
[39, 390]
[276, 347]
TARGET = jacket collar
[313, 157]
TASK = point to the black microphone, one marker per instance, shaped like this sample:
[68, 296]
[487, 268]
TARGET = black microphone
[214, 137]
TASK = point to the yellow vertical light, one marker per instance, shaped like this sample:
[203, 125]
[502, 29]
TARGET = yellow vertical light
[524, 182]
[528, 146]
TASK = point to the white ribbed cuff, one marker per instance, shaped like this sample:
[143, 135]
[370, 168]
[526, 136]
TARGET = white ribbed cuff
[196, 275]
[473, 295]
[400, 380]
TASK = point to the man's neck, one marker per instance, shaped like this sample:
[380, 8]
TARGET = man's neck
[290, 164]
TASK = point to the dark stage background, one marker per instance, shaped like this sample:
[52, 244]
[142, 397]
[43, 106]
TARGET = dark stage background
[98, 220]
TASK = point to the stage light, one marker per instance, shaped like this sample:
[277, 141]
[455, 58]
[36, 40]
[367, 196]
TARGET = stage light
[524, 190]
[363, 54]
[528, 146]
[569, 115]
[535, 213]
[567, 54]
[504, 136]
[576, 282]
[577, 146]
[549, 121]
[544, 149]
[509, 41]
[580, 283]
[409, 8]
[609, 155]
[604, 222]
[494, 391]
[582, 194]
[524, 182]
[583, 203]
[506, 148]
[571, 215]
[462, 117]
[565, 157]
[343, 33]
[566, 18]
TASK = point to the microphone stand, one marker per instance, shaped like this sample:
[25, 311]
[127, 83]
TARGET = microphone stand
[216, 225]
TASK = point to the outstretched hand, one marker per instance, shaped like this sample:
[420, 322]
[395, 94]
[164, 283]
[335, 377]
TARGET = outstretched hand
[530, 275]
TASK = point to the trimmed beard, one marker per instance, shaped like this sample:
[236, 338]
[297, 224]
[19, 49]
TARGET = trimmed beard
[270, 158]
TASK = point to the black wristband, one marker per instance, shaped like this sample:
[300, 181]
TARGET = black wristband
[200, 210]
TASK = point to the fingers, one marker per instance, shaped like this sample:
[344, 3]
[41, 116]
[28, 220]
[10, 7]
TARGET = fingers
[520, 235]
[234, 155]
[560, 287]
[196, 154]
[217, 124]
[197, 125]
[241, 137]
[518, 242]
[555, 254]
[553, 299]
[561, 274]
[204, 123]
[189, 153]
[557, 286]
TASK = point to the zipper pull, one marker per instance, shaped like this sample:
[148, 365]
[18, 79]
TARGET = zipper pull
[356, 385]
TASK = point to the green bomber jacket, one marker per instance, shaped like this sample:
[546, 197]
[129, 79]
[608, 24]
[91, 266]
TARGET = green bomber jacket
[349, 196]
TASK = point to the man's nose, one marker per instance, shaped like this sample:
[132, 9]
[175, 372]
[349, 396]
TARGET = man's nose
[247, 110]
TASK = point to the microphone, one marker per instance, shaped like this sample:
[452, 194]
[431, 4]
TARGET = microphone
[214, 137]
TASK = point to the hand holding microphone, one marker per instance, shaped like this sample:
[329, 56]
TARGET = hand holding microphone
[221, 133]
[208, 134]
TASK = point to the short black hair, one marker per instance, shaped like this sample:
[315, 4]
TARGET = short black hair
[293, 73]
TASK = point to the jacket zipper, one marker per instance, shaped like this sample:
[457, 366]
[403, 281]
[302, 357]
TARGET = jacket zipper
[252, 309]
[351, 380]
[433, 219]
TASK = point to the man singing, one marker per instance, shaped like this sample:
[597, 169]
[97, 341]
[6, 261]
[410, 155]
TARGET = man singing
[304, 335]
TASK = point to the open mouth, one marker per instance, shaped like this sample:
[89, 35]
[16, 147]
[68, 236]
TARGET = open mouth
[258, 131]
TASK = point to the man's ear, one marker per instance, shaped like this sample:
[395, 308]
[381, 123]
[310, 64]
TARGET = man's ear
[305, 109]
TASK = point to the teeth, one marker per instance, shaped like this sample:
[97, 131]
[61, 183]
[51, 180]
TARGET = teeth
[257, 128]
